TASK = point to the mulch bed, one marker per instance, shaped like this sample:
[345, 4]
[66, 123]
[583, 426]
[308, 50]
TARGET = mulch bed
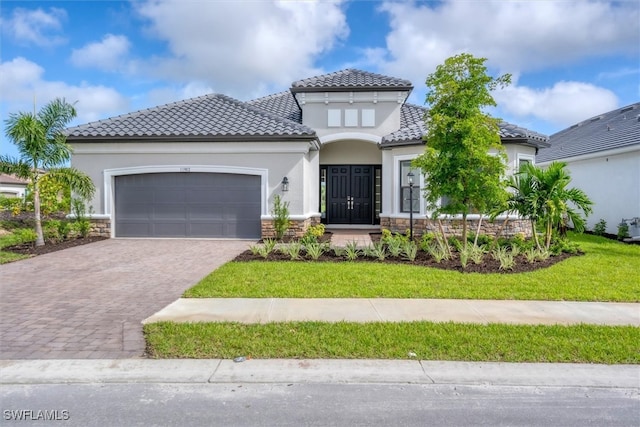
[32, 249]
[489, 265]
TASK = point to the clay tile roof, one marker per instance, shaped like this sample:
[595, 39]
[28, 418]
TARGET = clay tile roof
[412, 129]
[350, 80]
[281, 104]
[209, 117]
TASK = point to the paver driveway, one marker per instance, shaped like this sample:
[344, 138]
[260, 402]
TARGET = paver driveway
[88, 301]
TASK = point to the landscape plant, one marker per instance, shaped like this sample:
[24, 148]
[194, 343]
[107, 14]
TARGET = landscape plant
[267, 246]
[376, 250]
[292, 249]
[543, 197]
[351, 251]
[280, 213]
[600, 228]
[315, 250]
[464, 160]
[81, 224]
[623, 230]
[409, 250]
[43, 150]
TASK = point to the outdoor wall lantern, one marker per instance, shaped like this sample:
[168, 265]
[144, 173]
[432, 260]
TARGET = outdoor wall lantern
[410, 176]
[285, 184]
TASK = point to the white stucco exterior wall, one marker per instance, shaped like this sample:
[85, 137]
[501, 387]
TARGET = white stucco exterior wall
[391, 174]
[612, 182]
[270, 160]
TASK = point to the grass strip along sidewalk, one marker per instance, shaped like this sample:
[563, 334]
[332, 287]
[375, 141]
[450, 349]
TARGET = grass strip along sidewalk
[429, 341]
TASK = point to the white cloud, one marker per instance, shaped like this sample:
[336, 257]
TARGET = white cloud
[246, 48]
[107, 54]
[21, 80]
[564, 104]
[517, 36]
[38, 27]
[165, 95]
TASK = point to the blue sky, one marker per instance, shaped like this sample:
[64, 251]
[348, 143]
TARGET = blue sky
[570, 60]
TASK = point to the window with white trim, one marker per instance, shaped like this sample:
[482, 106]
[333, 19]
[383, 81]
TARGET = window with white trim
[408, 203]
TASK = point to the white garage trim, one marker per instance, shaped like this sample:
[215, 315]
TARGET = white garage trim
[110, 174]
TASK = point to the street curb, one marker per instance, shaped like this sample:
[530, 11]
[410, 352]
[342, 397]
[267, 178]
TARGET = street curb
[317, 371]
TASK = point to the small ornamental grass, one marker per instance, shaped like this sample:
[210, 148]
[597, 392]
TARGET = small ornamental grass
[315, 250]
[292, 249]
[409, 251]
[351, 251]
[265, 249]
[377, 251]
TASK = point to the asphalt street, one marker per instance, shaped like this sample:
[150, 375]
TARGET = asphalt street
[316, 404]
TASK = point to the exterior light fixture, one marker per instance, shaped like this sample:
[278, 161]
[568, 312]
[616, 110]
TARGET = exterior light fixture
[285, 184]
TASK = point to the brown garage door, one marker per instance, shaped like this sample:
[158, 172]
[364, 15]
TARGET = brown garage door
[189, 204]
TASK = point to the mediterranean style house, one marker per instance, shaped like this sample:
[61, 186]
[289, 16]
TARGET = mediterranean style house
[603, 156]
[336, 147]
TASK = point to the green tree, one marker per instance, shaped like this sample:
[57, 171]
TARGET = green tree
[523, 199]
[543, 197]
[464, 160]
[557, 204]
[43, 150]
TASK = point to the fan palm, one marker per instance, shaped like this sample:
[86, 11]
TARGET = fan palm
[42, 150]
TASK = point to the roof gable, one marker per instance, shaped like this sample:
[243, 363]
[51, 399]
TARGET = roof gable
[350, 80]
[616, 129]
[208, 117]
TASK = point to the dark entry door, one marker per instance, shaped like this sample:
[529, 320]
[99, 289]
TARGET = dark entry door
[350, 194]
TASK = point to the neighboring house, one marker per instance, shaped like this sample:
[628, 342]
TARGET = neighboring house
[603, 157]
[10, 186]
[211, 166]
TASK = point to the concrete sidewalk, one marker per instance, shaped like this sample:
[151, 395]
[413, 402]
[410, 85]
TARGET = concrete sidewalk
[317, 371]
[263, 310]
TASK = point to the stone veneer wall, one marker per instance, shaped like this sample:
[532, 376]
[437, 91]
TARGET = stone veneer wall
[453, 227]
[296, 229]
[100, 227]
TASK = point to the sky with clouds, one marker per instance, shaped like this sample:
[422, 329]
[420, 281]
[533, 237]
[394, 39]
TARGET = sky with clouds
[569, 59]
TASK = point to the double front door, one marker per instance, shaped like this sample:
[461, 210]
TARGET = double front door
[350, 192]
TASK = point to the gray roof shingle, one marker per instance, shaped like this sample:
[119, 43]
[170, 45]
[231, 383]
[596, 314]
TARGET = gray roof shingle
[616, 129]
[413, 129]
[350, 80]
[208, 117]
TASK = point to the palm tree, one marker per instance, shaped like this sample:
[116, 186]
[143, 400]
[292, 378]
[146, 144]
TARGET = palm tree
[541, 195]
[523, 198]
[43, 150]
[560, 204]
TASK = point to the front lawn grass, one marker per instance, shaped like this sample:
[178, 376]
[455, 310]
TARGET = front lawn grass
[428, 340]
[607, 272]
[10, 239]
